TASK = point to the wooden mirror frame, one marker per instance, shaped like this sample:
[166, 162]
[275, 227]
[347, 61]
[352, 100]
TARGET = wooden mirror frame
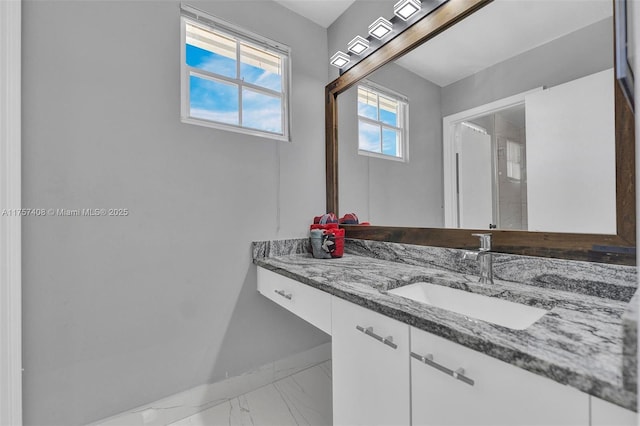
[618, 248]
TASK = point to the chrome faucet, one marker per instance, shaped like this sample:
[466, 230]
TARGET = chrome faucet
[483, 256]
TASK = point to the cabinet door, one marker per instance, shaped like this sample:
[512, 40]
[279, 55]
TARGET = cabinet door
[370, 376]
[604, 413]
[500, 394]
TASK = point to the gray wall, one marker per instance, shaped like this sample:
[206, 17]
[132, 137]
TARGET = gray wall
[387, 192]
[581, 53]
[121, 311]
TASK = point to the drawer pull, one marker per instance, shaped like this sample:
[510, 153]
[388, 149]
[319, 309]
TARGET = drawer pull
[283, 294]
[457, 374]
[369, 332]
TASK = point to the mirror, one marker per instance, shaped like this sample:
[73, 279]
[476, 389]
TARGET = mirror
[509, 120]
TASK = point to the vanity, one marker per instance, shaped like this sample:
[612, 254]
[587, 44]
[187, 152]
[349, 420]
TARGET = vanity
[399, 360]
[494, 147]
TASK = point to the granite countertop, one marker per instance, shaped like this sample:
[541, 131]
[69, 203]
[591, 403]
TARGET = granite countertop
[580, 342]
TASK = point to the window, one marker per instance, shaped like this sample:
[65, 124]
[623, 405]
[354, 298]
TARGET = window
[382, 120]
[514, 160]
[233, 79]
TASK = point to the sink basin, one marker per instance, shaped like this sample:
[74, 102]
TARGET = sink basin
[473, 306]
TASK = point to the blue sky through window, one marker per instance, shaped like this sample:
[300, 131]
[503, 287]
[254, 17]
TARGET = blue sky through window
[261, 77]
[266, 74]
[367, 110]
[390, 142]
[378, 113]
[209, 61]
[369, 137]
[389, 117]
[261, 112]
[218, 100]
[215, 101]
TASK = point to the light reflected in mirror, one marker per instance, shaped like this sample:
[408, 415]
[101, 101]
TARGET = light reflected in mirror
[503, 121]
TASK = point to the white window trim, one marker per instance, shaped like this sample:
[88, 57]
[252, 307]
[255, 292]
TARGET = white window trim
[404, 121]
[10, 226]
[198, 17]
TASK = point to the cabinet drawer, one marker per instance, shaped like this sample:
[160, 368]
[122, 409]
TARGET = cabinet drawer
[310, 304]
[492, 392]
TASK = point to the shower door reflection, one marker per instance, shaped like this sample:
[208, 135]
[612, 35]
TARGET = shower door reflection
[491, 170]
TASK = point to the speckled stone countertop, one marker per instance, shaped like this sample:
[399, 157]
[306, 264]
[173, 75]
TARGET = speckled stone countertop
[583, 341]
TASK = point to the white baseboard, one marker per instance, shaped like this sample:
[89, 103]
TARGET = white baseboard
[192, 401]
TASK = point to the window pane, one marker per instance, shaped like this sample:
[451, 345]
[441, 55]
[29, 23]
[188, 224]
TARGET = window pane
[368, 137]
[367, 104]
[211, 51]
[260, 68]
[261, 111]
[213, 101]
[391, 142]
[514, 153]
[389, 111]
[381, 123]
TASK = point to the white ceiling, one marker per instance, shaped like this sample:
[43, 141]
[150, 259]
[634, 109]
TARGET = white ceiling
[499, 31]
[322, 12]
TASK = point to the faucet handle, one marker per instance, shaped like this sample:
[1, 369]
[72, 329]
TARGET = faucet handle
[485, 241]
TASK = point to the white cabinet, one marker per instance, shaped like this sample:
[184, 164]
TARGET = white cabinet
[310, 304]
[370, 367]
[604, 413]
[386, 373]
[489, 392]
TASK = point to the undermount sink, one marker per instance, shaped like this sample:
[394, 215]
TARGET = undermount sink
[473, 306]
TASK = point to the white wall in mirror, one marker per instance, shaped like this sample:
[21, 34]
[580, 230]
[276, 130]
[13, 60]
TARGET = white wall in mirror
[571, 157]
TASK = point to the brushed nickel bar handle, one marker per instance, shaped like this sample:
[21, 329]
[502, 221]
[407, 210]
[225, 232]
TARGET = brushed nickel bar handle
[386, 340]
[458, 374]
[283, 294]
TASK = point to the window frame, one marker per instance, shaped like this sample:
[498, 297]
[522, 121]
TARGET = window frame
[403, 120]
[196, 17]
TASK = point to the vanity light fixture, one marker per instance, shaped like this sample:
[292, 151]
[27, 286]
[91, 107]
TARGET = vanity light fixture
[380, 28]
[340, 59]
[405, 9]
[358, 45]
[406, 12]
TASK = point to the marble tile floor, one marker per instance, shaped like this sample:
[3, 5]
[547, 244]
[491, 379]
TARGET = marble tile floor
[301, 399]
